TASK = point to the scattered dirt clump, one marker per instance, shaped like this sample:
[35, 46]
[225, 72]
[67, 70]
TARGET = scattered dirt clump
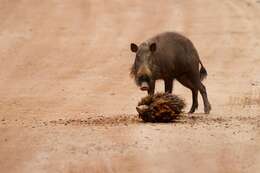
[161, 107]
[99, 120]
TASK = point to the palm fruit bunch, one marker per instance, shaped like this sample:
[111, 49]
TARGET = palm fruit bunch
[160, 107]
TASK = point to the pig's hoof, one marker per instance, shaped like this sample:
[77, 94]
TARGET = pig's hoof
[207, 109]
[191, 111]
[193, 108]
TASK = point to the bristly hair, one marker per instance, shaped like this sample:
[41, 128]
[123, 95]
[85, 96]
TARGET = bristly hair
[132, 71]
[154, 68]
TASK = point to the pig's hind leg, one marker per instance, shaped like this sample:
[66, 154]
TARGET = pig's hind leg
[203, 92]
[184, 80]
[195, 79]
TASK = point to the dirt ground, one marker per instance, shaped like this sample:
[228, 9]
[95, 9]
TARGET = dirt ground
[67, 103]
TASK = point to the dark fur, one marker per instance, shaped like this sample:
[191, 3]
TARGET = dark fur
[169, 56]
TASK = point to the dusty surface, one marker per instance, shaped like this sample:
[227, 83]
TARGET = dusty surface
[68, 104]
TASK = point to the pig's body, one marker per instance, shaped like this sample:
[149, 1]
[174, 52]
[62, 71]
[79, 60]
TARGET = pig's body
[170, 56]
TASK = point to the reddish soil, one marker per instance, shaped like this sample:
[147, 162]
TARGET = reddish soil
[68, 104]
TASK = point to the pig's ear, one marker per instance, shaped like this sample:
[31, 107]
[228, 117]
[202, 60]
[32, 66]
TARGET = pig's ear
[134, 47]
[152, 47]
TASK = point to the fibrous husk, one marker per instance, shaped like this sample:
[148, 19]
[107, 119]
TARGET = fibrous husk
[161, 107]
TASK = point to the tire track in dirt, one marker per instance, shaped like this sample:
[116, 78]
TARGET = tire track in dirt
[226, 44]
[251, 98]
[246, 54]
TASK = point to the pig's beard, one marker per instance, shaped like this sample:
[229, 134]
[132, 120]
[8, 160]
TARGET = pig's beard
[143, 82]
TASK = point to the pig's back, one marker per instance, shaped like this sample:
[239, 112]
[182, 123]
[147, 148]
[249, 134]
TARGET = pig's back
[171, 43]
[175, 51]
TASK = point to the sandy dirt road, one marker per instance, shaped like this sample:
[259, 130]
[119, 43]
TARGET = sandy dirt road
[67, 102]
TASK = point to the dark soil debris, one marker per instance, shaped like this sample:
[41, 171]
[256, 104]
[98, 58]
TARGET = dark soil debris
[100, 120]
[134, 119]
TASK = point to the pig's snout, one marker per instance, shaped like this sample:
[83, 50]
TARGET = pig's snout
[142, 108]
[144, 86]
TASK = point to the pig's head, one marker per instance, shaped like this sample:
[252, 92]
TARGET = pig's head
[143, 64]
